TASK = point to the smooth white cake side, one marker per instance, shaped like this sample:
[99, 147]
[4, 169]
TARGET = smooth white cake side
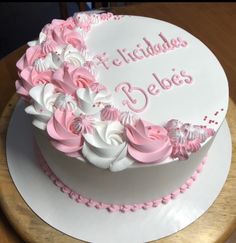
[132, 185]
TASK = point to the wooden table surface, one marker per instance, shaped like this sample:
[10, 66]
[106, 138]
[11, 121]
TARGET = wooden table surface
[212, 23]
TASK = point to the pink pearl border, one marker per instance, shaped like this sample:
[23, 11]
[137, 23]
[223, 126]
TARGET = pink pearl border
[77, 197]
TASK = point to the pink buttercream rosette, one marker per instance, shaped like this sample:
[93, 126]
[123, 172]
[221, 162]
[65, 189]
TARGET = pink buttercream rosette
[147, 143]
[28, 59]
[30, 78]
[63, 138]
[64, 32]
[69, 78]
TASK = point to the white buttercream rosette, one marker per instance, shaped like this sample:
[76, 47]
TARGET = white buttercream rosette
[91, 102]
[106, 147]
[63, 54]
[43, 98]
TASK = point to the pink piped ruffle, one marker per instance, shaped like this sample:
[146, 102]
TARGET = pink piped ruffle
[186, 138]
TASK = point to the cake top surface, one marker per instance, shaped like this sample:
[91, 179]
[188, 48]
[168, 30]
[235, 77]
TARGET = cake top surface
[122, 90]
[171, 73]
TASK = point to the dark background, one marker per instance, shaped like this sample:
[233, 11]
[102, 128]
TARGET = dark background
[22, 21]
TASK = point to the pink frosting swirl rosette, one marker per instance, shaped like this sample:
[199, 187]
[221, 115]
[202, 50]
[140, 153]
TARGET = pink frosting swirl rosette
[69, 78]
[29, 57]
[147, 143]
[64, 138]
[31, 78]
[64, 32]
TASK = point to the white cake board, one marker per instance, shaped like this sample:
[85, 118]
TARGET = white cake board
[93, 225]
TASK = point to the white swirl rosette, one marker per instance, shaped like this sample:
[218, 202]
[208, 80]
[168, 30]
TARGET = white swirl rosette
[73, 56]
[50, 62]
[91, 102]
[43, 98]
[106, 147]
[66, 102]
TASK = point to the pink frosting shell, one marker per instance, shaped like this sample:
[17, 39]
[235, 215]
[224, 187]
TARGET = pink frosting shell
[147, 143]
[68, 79]
[63, 139]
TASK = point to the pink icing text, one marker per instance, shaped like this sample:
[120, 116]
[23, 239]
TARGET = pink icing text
[136, 98]
[128, 90]
[147, 50]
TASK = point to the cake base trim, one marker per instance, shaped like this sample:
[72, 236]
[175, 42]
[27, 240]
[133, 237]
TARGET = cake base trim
[111, 207]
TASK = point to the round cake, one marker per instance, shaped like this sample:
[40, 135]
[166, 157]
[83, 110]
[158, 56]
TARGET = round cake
[125, 108]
